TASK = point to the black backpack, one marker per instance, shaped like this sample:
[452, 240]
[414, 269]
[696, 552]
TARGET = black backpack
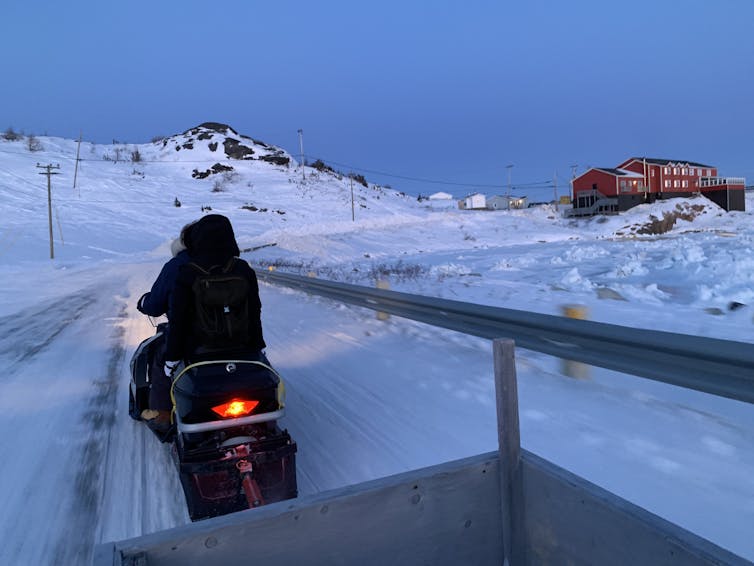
[221, 306]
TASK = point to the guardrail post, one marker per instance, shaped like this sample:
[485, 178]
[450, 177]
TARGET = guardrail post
[571, 368]
[382, 284]
[509, 440]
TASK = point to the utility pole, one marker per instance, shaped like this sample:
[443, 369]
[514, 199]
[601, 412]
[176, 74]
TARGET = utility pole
[509, 167]
[573, 176]
[76, 169]
[353, 216]
[555, 189]
[303, 160]
[49, 172]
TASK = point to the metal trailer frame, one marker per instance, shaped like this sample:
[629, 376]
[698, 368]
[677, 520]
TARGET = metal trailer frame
[507, 507]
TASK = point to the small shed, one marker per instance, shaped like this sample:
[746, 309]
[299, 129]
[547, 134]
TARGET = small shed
[476, 201]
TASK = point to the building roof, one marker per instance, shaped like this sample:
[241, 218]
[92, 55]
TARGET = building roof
[506, 197]
[657, 161]
[440, 196]
[618, 172]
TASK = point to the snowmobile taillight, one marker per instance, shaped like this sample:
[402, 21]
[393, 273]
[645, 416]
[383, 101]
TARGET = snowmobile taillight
[235, 408]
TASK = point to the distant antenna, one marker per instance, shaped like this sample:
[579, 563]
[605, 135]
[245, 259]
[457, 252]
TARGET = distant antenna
[303, 160]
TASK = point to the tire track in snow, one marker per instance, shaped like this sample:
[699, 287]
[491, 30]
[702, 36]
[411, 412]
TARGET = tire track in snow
[28, 333]
[75, 544]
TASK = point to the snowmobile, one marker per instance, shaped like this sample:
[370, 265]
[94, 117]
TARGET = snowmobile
[226, 443]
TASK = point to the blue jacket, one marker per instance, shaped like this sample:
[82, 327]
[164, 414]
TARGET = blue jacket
[157, 301]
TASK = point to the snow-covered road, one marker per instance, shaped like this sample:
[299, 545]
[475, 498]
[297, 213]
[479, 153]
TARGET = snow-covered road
[366, 398]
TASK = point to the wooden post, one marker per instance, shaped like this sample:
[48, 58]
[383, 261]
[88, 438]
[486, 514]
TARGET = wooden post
[509, 440]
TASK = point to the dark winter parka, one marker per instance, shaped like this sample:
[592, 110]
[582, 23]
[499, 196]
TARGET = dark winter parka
[212, 244]
[157, 301]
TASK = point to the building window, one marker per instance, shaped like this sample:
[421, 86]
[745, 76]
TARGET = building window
[653, 173]
[667, 170]
[685, 183]
[706, 172]
[684, 171]
[676, 184]
[675, 170]
[623, 184]
[692, 171]
[667, 183]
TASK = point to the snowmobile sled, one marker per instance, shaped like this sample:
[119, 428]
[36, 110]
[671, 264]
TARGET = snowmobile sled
[229, 450]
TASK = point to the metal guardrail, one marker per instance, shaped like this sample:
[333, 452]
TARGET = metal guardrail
[710, 365]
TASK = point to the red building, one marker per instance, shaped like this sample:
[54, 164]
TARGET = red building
[641, 180]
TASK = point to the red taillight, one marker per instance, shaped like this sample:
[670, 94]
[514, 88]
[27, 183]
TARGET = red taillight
[235, 408]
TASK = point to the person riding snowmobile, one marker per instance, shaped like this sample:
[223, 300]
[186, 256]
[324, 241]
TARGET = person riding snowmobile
[214, 253]
[156, 302]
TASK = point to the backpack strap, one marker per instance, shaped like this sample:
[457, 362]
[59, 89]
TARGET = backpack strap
[198, 267]
[229, 265]
[226, 269]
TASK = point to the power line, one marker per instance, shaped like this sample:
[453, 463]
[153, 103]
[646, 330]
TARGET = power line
[528, 185]
[432, 181]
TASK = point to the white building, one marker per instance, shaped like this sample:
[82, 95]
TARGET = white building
[498, 202]
[441, 196]
[476, 201]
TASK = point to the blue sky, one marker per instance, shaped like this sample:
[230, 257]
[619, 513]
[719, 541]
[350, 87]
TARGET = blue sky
[442, 91]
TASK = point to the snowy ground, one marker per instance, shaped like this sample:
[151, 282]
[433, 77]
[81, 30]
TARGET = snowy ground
[365, 398]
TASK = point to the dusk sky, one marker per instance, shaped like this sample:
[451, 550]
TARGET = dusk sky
[440, 91]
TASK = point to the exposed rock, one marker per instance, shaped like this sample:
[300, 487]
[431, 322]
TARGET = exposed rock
[236, 150]
[214, 126]
[275, 159]
[668, 220]
[216, 168]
